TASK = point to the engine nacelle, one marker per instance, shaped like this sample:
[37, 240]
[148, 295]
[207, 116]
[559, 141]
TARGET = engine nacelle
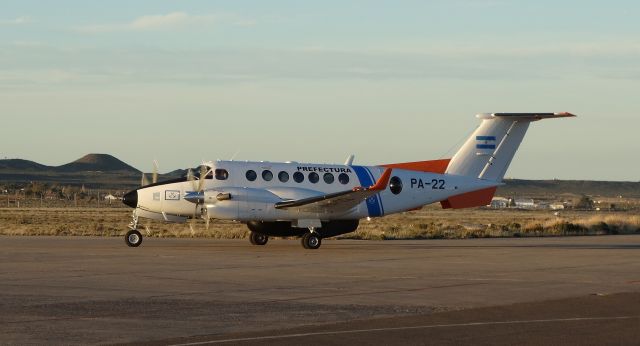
[238, 203]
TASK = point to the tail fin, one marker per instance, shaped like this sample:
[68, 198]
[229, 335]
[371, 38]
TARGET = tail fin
[490, 149]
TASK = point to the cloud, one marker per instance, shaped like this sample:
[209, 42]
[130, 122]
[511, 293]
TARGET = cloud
[170, 21]
[160, 21]
[23, 64]
[149, 22]
[17, 21]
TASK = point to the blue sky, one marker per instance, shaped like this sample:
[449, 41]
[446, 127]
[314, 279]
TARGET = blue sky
[183, 81]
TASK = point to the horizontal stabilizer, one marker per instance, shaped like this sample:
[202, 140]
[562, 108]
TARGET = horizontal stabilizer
[525, 116]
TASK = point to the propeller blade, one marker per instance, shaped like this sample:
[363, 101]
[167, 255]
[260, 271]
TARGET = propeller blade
[192, 178]
[144, 181]
[203, 175]
[195, 211]
[154, 176]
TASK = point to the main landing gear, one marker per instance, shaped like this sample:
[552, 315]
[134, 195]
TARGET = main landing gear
[258, 238]
[133, 238]
[311, 240]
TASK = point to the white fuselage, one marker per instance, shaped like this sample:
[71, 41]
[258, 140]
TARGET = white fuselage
[254, 199]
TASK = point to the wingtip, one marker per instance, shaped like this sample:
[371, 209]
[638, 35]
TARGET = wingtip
[566, 114]
[382, 183]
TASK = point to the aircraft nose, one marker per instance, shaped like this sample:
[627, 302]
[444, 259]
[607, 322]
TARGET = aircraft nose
[131, 198]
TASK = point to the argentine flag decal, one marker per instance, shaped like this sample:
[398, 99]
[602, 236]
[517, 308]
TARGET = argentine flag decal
[485, 142]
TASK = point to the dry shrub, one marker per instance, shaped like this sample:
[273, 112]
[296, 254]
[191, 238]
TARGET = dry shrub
[429, 223]
[613, 224]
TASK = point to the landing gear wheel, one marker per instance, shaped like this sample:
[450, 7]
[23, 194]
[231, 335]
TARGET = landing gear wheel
[133, 238]
[258, 238]
[311, 240]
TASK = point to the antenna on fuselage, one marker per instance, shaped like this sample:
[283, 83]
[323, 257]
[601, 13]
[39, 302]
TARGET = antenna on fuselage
[234, 155]
[349, 160]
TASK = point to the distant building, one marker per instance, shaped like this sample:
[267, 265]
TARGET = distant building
[525, 203]
[111, 197]
[499, 202]
[556, 206]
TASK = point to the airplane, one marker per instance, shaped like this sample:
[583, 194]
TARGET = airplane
[317, 201]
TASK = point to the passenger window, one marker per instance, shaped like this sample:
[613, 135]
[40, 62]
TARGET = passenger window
[251, 175]
[314, 177]
[267, 175]
[395, 185]
[343, 178]
[328, 178]
[222, 174]
[298, 177]
[283, 176]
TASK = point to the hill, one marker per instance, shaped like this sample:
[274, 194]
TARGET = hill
[21, 165]
[97, 163]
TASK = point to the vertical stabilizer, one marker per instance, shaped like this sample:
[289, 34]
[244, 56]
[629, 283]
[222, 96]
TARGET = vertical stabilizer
[488, 152]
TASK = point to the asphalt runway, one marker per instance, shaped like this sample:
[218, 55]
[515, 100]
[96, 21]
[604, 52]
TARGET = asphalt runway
[82, 290]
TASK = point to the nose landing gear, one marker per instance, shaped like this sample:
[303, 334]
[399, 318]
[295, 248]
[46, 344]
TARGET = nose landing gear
[133, 238]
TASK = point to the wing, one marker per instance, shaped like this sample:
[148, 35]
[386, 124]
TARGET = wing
[338, 201]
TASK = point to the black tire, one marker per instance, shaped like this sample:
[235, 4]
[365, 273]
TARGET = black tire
[258, 238]
[311, 240]
[133, 238]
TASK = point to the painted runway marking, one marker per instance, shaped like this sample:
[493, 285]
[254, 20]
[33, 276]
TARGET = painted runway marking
[430, 326]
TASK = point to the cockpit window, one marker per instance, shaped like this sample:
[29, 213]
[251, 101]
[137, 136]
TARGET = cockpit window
[222, 174]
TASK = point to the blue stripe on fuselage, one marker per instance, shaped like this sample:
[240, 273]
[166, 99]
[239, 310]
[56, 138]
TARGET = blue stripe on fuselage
[380, 211]
[374, 207]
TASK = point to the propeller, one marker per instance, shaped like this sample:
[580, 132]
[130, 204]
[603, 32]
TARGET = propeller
[197, 196]
[154, 175]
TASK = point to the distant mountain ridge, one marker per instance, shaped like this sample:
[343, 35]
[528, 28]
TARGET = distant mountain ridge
[20, 164]
[546, 188]
[106, 171]
[87, 163]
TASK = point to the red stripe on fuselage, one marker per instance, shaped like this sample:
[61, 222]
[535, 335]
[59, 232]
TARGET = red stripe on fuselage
[432, 166]
[478, 198]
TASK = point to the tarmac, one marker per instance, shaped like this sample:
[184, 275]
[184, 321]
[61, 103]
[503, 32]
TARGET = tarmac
[88, 290]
